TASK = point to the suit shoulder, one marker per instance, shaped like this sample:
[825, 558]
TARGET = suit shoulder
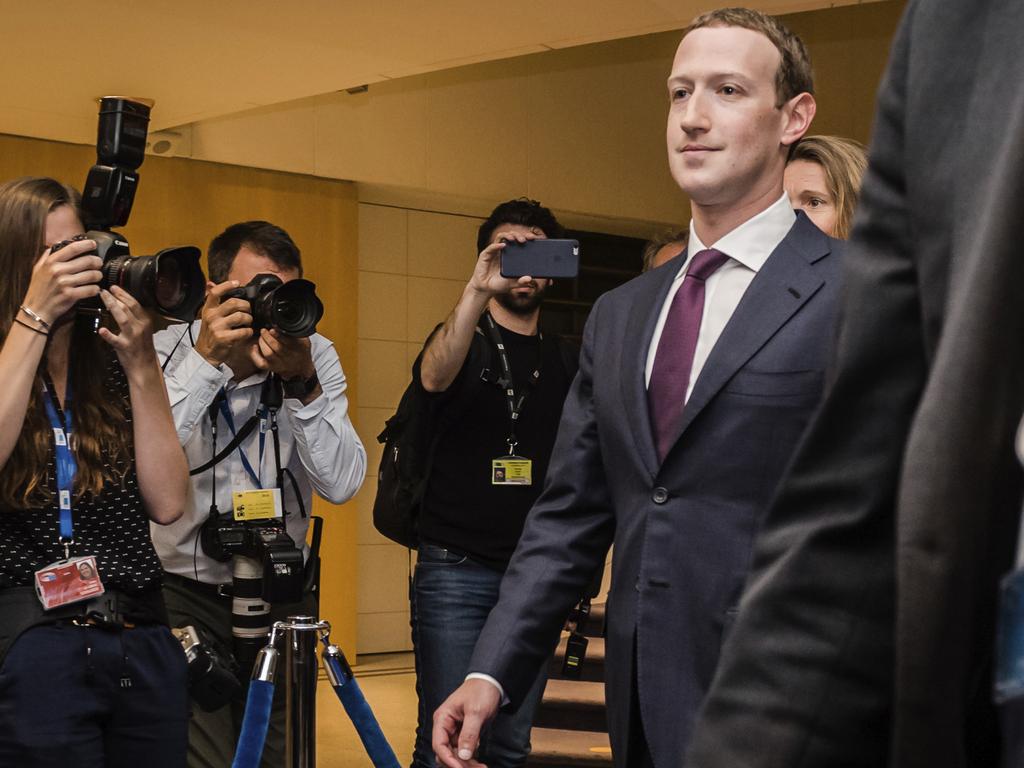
[818, 249]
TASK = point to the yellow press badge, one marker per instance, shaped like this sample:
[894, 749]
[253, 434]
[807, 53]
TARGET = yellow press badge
[257, 505]
[511, 470]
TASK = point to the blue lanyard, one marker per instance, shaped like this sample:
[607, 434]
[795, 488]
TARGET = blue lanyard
[67, 467]
[226, 413]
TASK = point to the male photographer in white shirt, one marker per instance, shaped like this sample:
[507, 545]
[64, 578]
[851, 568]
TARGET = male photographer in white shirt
[215, 370]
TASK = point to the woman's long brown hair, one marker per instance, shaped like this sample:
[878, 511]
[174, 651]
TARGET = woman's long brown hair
[100, 424]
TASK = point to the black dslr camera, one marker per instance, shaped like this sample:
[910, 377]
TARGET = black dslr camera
[268, 543]
[213, 676]
[280, 576]
[171, 282]
[292, 308]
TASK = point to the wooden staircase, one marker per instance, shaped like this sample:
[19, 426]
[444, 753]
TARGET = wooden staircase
[570, 728]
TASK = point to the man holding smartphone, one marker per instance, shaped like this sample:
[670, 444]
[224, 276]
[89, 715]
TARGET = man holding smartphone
[492, 385]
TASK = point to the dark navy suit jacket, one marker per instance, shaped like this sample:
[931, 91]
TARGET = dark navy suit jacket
[683, 530]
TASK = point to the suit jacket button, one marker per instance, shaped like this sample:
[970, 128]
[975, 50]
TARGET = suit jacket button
[660, 496]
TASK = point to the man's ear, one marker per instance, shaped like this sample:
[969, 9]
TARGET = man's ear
[798, 113]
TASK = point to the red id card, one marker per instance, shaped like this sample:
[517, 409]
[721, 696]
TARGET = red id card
[68, 581]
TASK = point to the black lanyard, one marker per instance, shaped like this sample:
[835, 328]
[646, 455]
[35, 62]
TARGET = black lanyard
[515, 405]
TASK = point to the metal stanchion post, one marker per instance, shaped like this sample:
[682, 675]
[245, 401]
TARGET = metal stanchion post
[301, 636]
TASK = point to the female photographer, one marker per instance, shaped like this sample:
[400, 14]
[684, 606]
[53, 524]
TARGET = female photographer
[90, 674]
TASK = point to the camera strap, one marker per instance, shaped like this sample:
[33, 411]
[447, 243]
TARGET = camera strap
[67, 466]
[236, 441]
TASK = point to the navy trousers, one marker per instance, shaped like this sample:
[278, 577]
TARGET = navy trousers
[94, 698]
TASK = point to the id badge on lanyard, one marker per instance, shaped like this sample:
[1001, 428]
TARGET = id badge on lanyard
[70, 579]
[261, 503]
[511, 469]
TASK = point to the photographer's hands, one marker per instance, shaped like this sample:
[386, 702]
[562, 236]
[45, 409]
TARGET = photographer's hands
[287, 356]
[133, 343]
[159, 460]
[62, 278]
[226, 325]
[225, 336]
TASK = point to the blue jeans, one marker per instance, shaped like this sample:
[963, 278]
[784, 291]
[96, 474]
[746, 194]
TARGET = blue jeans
[451, 598]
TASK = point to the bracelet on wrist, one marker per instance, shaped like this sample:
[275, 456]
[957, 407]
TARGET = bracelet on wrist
[32, 328]
[43, 324]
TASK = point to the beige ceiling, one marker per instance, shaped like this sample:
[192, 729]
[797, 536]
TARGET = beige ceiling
[201, 59]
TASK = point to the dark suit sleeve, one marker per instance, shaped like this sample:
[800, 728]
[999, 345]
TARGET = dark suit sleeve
[564, 542]
[805, 674]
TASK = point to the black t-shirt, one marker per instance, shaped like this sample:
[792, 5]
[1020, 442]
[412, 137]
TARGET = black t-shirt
[461, 509]
[113, 525]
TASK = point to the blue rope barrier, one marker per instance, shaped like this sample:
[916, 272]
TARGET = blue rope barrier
[360, 714]
[261, 696]
[254, 726]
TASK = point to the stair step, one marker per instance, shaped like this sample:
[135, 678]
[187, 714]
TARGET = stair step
[574, 693]
[595, 622]
[593, 662]
[563, 749]
[574, 705]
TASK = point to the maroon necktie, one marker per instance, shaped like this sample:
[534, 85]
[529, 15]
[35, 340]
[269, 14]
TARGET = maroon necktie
[670, 376]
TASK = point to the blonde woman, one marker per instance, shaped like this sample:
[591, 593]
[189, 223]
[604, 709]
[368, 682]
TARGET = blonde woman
[823, 179]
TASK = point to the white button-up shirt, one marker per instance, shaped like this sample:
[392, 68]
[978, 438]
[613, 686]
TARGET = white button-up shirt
[748, 248]
[318, 444]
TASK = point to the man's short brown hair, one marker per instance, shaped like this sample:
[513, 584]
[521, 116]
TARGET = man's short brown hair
[794, 76]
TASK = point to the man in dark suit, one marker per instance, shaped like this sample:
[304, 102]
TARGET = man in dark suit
[738, 328]
[906, 486]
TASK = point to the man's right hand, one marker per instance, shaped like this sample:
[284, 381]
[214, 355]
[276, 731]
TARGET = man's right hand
[487, 279]
[458, 721]
[226, 324]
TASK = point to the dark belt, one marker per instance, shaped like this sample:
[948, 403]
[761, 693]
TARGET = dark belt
[198, 587]
[20, 610]
[113, 610]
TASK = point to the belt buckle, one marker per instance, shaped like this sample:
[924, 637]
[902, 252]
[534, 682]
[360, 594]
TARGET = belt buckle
[101, 612]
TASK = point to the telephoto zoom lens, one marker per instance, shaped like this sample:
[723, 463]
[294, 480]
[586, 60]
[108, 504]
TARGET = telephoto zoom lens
[250, 614]
[171, 282]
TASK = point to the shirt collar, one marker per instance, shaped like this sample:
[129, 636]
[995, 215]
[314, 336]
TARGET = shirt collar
[753, 241]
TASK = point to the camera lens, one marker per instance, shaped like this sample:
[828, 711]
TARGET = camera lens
[295, 308]
[169, 290]
[171, 282]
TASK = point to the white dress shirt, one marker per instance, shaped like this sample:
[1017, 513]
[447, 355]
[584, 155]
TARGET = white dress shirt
[748, 248]
[318, 444]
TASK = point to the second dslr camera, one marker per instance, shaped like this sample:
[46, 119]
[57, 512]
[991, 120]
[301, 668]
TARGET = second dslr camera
[291, 308]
